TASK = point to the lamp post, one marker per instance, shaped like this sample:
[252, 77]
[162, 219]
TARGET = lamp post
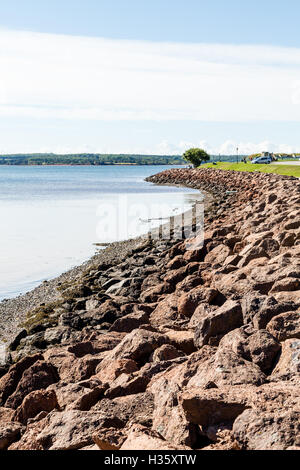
[237, 154]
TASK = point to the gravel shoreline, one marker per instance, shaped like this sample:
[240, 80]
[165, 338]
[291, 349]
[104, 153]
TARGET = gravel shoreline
[13, 311]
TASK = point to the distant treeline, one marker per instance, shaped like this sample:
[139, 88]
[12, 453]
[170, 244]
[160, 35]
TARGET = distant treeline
[90, 159]
[100, 159]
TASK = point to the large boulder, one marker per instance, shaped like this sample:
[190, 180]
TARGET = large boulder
[270, 309]
[250, 253]
[6, 414]
[37, 377]
[201, 312]
[34, 403]
[188, 283]
[219, 322]
[9, 382]
[285, 326]
[88, 398]
[263, 349]
[260, 346]
[286, 285]
[167, 352]
[154, 293]
[165, 313]
[210, 407]
[78, 369]
[126, 384]
[19, 335]
[136, 408]
[138, 345]
[183, 340]
[107, 312]
[289, 360]
[9, 433]
[168, 416]
[226, 368]
[69, 394]
[70, 430]
[257, 430]
[205, 369]
[108, 371]
[130, 322]
[189, 301]
[251, 303]
[218, 254]
[142, 438]
[100, 342]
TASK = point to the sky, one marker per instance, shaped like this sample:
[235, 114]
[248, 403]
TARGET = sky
[153, 77]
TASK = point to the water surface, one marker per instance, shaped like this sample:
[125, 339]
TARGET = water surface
[51, 216]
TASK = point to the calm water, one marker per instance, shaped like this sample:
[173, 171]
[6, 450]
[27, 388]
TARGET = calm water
[51, 217]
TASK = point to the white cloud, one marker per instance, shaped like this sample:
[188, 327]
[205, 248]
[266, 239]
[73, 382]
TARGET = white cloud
[164, 147]
[56, 76]
[226, 148]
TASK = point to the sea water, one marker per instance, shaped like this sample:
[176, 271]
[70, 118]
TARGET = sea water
[51, 217]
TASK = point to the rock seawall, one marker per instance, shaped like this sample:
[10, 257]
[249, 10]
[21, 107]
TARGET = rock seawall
[172, 348]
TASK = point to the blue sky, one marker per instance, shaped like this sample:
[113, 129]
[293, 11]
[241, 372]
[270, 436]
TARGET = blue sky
[218, 21]
[149, 77]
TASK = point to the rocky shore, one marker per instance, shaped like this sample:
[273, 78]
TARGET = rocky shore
[163, 347]
[13, 311]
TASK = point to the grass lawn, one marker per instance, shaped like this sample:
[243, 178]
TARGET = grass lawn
[289, 170]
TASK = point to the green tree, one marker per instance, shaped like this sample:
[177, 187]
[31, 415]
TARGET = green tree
[196, 156]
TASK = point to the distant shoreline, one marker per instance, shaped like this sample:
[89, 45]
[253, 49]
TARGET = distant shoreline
[89, 159]
[106, 164]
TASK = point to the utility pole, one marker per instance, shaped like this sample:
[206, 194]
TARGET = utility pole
[237, 154]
